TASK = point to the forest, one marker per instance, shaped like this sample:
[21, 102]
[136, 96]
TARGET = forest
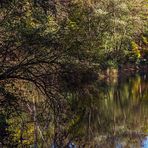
[59, 60]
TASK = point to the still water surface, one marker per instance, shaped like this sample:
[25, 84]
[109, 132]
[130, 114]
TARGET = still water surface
[113, 113]
[116, 116]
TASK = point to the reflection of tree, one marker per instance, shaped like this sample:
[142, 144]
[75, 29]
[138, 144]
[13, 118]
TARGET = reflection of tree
[116, 111]
[97, 112]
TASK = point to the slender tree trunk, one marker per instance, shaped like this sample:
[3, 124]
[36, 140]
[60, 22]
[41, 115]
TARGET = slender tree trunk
[35, 124]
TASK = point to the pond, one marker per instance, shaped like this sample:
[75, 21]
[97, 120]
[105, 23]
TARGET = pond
[111, 113]
[116, 116]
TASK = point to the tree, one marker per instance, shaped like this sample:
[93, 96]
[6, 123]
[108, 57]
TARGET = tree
[49, 49]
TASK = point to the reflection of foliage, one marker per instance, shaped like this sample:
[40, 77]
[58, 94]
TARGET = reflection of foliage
[114, 111]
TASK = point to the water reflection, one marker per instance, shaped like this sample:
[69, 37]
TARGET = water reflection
[107, 114]
[114, 115]
[145, 142]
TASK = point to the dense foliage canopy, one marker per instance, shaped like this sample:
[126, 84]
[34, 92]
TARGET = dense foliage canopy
[52, 51]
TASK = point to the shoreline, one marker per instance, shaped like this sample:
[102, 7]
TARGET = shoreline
[126, 70]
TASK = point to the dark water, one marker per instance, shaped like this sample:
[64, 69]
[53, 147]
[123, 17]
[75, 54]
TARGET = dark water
[116, 116]
[111, 114]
